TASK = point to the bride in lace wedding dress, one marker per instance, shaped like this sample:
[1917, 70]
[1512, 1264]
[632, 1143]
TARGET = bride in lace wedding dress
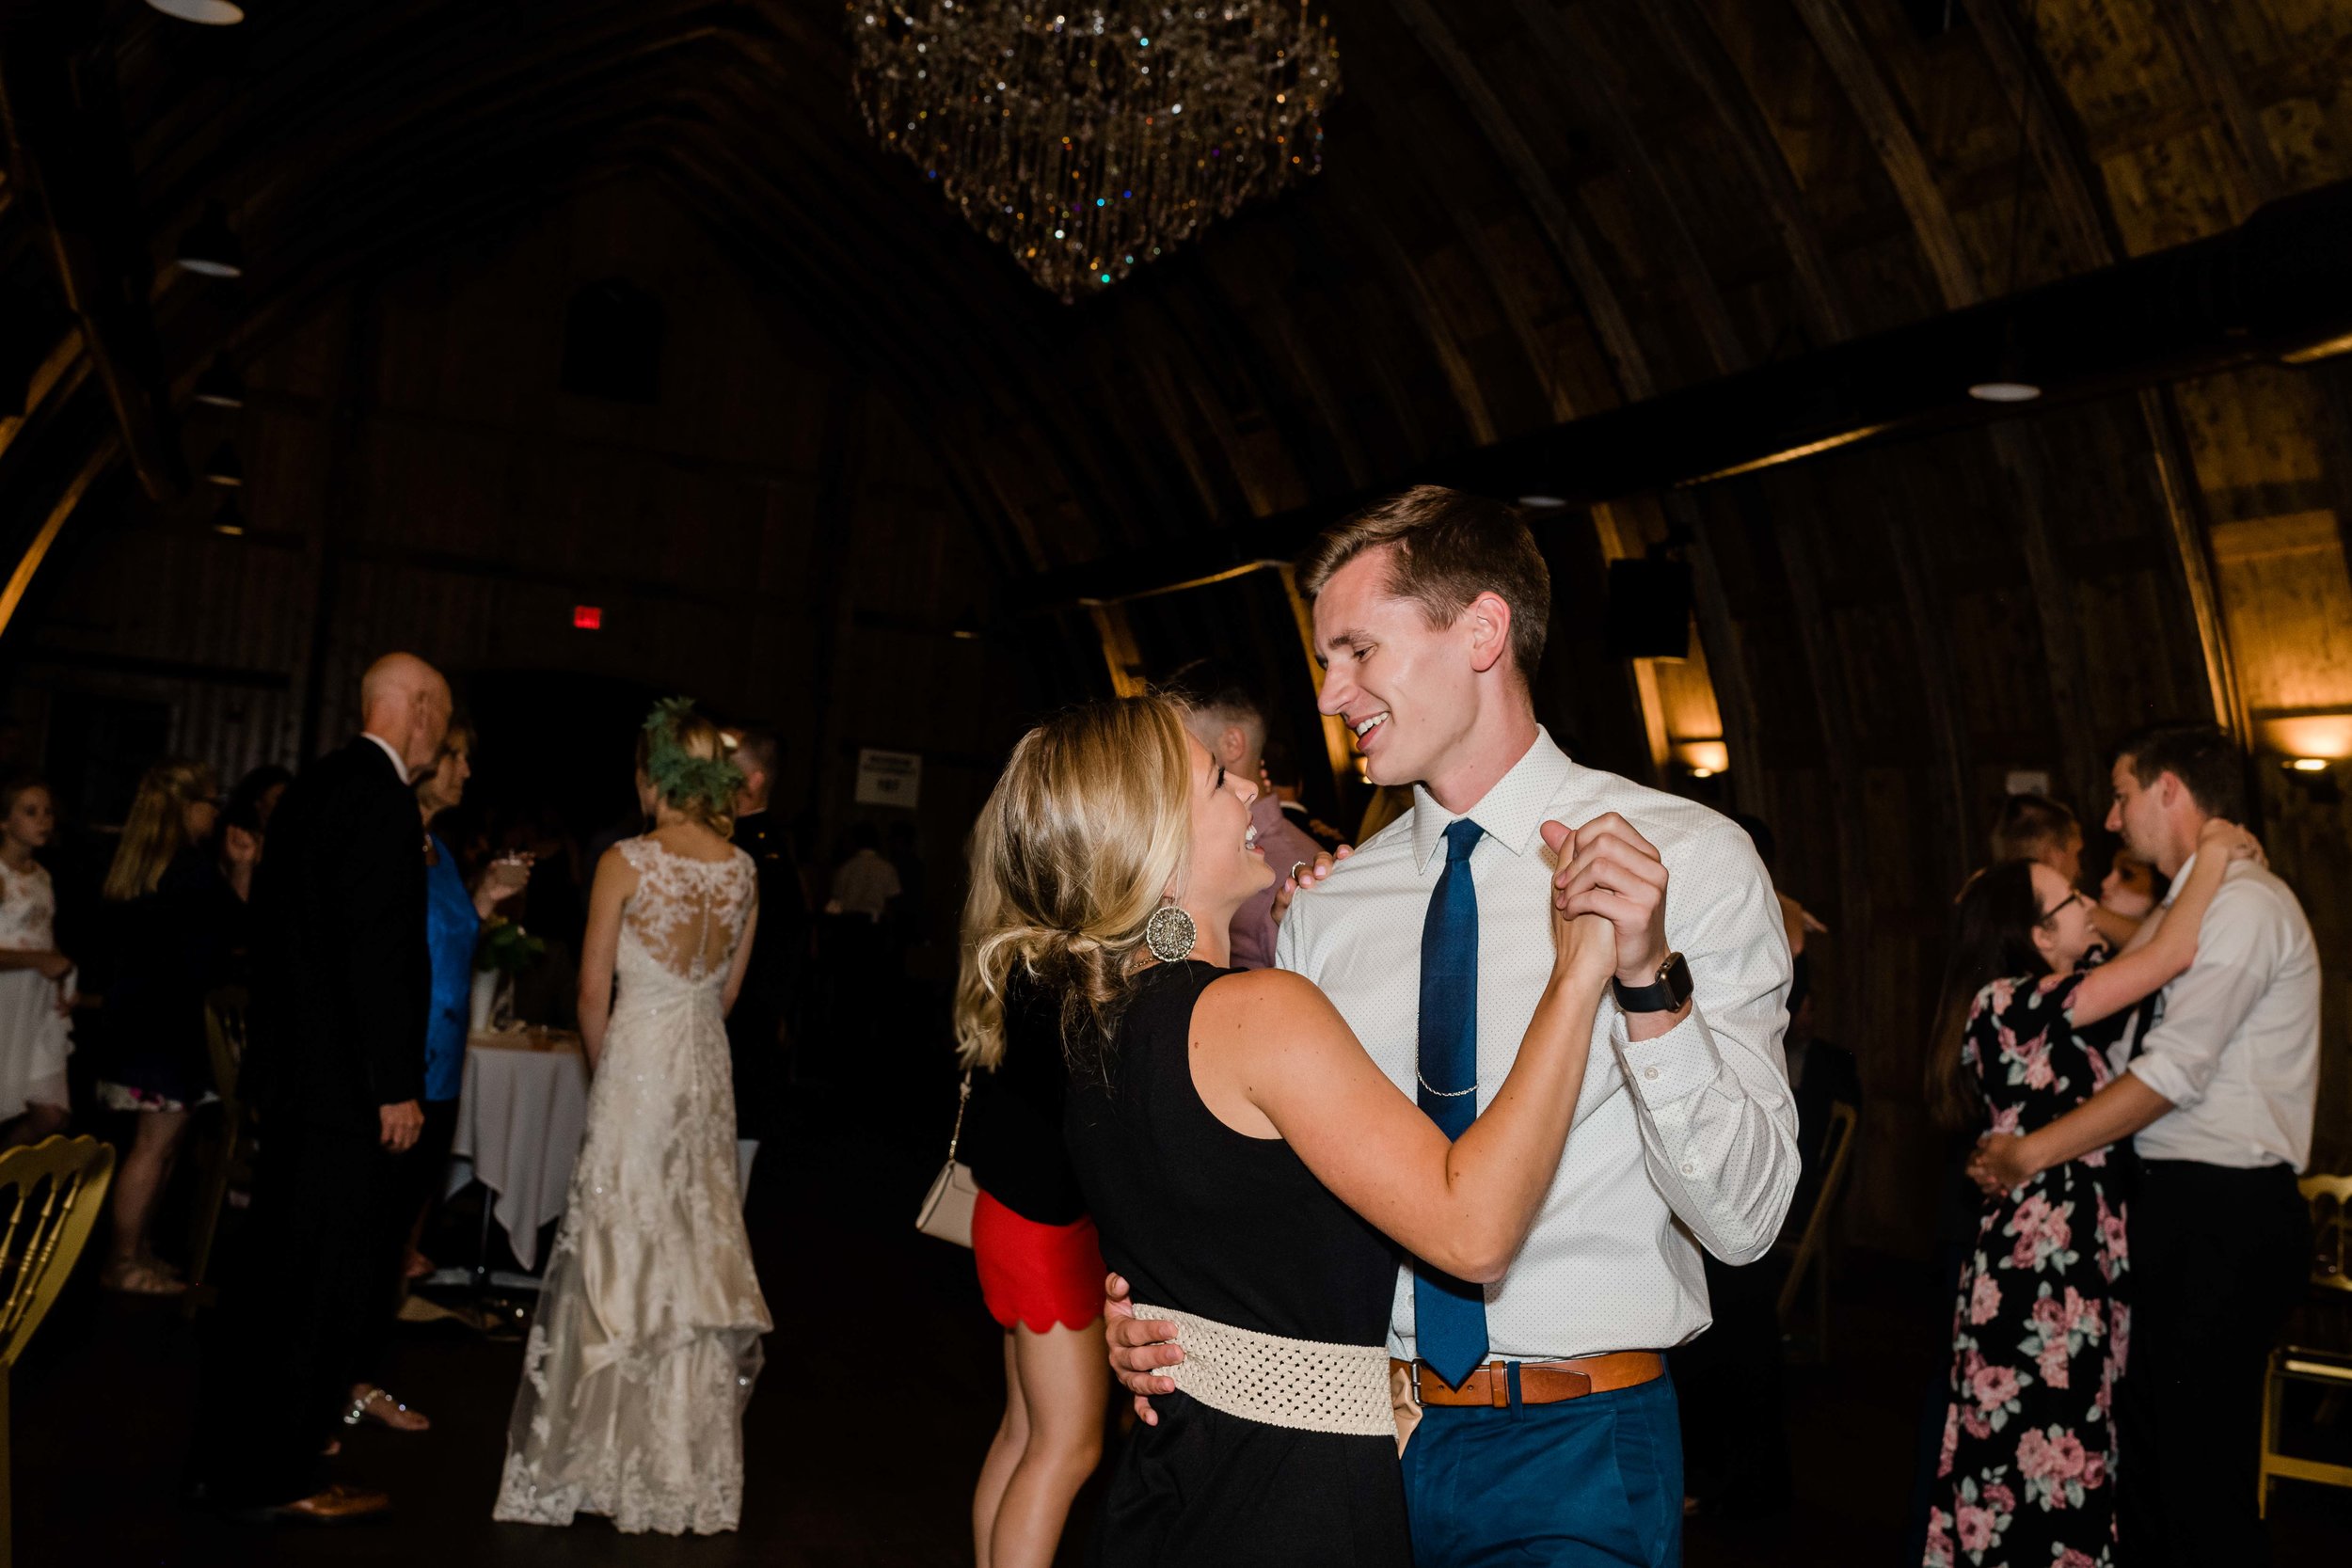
[642, 1357]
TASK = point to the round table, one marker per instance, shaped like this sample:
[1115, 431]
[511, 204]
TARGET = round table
[521, 1114]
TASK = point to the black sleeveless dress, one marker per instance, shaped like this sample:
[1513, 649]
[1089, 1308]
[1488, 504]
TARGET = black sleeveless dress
[1205, 1220]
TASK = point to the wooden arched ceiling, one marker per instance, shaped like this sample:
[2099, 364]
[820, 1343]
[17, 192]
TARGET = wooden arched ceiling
[1532, 209]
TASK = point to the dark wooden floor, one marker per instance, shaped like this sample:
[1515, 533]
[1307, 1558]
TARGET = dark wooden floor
[880, 1390]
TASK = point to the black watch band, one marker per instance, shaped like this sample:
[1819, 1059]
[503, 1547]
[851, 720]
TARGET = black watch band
[1670, 990]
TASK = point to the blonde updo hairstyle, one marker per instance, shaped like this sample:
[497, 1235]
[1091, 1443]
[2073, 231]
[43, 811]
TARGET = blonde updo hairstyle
[702, 794]
[1090, 824]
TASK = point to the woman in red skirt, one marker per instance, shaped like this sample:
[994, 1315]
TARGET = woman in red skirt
[1042, 1274]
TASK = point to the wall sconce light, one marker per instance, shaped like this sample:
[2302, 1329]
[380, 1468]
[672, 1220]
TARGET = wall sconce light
[1702, 759]
[2309, 739]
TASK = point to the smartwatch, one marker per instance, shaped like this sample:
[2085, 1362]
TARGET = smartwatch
[1668, 991]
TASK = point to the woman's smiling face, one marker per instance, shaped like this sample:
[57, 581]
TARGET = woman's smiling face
[1227, 864]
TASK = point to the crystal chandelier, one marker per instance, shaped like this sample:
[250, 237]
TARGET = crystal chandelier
[1090, 141]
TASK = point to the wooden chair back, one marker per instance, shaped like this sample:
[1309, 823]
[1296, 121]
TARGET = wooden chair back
[1837, 1152]
[59, 1188]
[2331, 1197]
[224, 1035]
[232, 1158]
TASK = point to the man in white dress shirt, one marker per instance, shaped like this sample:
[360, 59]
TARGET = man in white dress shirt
[2218, 1099]
[1563, 1446]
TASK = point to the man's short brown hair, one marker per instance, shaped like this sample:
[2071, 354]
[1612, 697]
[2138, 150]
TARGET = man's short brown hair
[2029, 824]
[1450, 547]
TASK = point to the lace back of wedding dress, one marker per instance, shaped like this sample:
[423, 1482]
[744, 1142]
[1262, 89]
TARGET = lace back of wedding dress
[687, 915]
[646, 1341]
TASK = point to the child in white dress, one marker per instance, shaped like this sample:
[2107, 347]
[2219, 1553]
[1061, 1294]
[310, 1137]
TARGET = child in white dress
[36, 980]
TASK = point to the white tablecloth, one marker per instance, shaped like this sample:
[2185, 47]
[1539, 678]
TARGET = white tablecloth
[520, 1117]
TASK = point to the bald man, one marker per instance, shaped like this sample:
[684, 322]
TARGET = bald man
[335, 1066]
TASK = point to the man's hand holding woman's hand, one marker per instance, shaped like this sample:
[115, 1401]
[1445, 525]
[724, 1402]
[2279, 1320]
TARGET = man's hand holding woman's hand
[1608, 869]
[1140, 1347]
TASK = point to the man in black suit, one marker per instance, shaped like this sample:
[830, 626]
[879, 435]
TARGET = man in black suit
[756, 1029]
[335, 1067]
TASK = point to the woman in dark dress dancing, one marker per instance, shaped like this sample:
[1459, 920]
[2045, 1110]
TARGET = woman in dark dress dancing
[2026, 1475]
[1248, 1165]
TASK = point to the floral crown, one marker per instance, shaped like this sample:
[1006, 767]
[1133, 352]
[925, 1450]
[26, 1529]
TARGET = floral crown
[678, 775]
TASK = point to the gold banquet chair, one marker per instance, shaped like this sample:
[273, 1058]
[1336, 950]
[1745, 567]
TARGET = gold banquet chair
[60, 1190]
[2330, 1369]
[1809, 1254]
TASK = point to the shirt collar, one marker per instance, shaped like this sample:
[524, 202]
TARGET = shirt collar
[2180, 879]
[398, 766]
[1509, 813]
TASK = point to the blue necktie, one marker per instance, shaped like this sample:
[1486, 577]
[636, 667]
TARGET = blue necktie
[1449, 1315]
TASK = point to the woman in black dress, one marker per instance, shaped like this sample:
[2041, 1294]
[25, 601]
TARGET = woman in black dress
[1248, 1165]
[2026, 1472]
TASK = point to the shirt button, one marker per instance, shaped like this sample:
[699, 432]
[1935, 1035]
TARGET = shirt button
[1649, 1073]
[1689, 1169]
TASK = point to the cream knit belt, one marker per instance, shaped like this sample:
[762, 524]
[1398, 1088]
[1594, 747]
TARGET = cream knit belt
[1301, 1383]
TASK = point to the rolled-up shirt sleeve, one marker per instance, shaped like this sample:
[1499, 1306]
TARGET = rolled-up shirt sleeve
[1719, 1126]
[2204, 1008]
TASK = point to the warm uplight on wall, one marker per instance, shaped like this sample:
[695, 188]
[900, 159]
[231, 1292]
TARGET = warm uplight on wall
[2307, 739]
[1703, 759]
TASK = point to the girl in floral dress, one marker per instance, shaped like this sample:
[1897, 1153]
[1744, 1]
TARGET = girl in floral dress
[2027, 1477]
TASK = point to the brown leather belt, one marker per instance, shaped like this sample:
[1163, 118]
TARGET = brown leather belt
[1539, 1381]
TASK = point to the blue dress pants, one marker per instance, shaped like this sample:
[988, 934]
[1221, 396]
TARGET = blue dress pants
[1577, 1484]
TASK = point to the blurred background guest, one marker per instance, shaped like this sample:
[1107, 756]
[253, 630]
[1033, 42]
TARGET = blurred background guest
[2035, 827]
[759, 1027]
[452, 924]
[35, 979]
[1279, 773]
[1222, 714]
[156, 1064]
[1040, 1267]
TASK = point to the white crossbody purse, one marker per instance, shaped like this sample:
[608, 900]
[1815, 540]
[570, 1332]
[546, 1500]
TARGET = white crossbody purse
[947, 1210]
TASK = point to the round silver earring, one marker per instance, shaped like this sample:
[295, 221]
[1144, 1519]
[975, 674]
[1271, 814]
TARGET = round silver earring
[1170, 934]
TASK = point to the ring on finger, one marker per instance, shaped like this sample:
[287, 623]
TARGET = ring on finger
[1297, 866]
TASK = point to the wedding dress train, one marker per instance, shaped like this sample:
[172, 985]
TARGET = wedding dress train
[643, 1353]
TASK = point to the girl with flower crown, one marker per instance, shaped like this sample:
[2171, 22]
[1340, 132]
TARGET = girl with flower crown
[642, 1355]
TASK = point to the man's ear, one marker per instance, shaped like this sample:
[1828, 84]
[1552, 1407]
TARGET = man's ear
[1489, 626]
[1232, 744]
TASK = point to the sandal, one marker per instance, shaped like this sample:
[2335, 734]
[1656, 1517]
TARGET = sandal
[375, 1405]
[136, 1278]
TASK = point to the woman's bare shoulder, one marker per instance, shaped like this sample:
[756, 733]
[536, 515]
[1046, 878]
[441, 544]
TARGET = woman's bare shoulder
[1257, 997]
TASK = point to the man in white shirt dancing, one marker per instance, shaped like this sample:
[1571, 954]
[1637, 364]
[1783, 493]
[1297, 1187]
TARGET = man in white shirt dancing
[2218, 1100]
[1546, 1429]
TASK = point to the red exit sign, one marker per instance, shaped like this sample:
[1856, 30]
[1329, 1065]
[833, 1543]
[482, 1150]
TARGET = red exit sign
[588, 617]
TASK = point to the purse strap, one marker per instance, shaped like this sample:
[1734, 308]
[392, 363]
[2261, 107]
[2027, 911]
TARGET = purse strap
[963, 1098]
